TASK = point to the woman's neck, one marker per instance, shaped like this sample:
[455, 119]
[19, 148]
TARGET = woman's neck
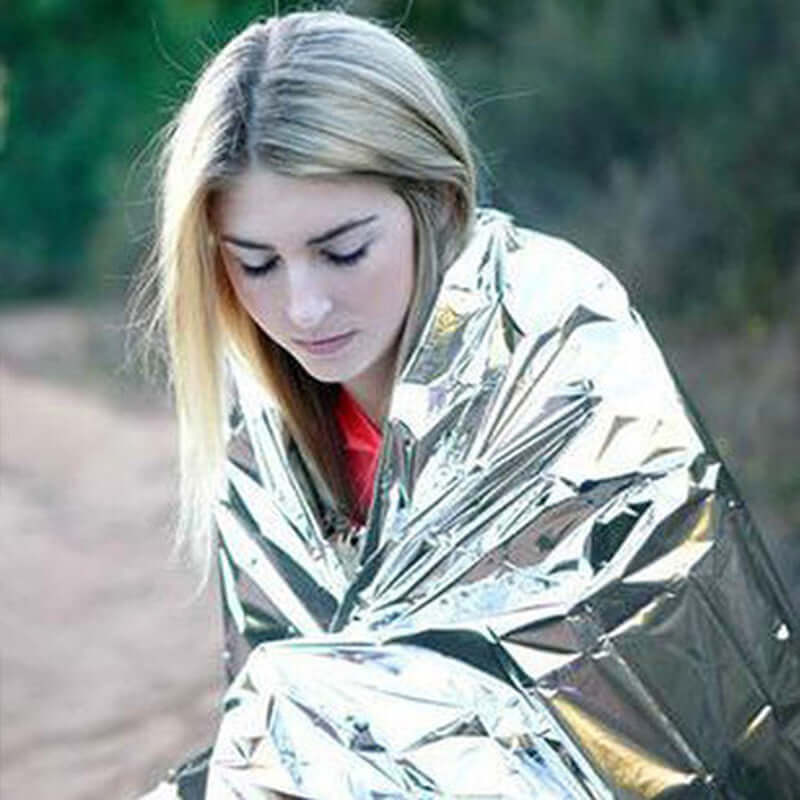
[373, 388]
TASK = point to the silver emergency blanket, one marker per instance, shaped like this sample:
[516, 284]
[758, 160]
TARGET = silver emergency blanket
[557, 594]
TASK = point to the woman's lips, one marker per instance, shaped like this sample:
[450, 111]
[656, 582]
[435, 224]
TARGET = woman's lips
[328, 346]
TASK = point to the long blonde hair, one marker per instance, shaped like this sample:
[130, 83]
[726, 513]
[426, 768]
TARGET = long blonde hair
[317, 94]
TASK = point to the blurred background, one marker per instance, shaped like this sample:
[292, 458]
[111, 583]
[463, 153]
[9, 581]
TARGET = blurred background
[661, 136]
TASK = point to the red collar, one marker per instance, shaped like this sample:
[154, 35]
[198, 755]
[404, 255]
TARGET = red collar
[362, 444]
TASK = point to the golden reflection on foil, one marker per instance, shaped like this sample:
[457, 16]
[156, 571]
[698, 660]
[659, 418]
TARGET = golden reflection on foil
[628, 766]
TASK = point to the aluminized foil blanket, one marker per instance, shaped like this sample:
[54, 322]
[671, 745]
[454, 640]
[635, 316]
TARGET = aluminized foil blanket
[557, 594]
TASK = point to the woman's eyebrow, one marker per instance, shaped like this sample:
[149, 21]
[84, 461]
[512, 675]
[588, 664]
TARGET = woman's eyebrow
[340, 229]
[249, 244]
[246, 244]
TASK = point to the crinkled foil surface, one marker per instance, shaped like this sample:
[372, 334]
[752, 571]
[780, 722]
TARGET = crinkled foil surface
[558, 593]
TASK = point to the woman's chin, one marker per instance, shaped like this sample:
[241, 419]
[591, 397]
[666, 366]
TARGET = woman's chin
[326, 372]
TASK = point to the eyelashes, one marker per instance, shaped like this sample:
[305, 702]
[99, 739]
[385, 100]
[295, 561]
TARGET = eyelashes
[260, 269]
[346, 258]
[337, 259]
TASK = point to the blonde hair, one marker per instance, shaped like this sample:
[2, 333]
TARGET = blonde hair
[317, 94]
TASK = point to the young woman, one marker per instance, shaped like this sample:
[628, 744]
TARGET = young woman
[470, 541]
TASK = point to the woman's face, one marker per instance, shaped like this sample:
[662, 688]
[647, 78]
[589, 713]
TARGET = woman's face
[325, 268]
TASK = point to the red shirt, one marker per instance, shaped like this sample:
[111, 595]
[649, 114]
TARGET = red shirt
[362, 443]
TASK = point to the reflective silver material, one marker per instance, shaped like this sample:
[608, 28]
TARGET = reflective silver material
[559, 593]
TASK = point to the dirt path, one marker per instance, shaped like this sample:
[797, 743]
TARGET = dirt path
[108, 669]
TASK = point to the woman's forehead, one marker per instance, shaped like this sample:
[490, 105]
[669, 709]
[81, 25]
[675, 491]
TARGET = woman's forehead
[268, 207]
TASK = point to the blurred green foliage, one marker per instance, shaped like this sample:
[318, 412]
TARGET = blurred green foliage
[659, 134]
[89, 83]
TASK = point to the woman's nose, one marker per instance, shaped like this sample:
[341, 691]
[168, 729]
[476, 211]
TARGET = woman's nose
[308, 303]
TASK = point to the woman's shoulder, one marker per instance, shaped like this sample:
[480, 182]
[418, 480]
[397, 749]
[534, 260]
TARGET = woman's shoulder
[542, 277]
[249, 407]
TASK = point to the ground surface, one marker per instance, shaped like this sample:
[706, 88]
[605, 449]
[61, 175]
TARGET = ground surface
[108, 668]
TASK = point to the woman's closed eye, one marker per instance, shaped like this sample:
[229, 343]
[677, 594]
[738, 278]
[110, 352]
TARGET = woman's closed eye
[260, 269]
[346, 257]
